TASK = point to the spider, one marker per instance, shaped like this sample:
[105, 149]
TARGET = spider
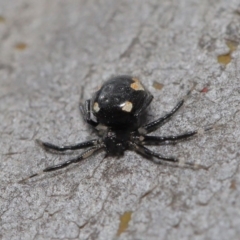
[117, 111]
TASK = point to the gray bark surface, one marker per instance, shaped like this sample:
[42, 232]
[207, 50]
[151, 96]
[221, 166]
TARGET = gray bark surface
[51, 51]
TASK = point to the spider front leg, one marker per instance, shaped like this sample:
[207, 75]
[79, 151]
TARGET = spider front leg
[178, 162]
[50, 146]
[161, 121]
[86, 112]
[84, 155]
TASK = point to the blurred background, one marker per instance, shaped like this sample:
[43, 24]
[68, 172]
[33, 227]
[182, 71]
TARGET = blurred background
[55, 53]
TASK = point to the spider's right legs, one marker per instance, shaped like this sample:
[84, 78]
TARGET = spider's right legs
[161, 121]
[84, 155]
[86, 112]
[50, 146]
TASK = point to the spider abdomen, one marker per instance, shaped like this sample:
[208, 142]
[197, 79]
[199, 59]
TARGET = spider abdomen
[120, 102]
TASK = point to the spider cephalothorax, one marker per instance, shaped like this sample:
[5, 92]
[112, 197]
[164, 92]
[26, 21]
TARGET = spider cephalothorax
[116, 111]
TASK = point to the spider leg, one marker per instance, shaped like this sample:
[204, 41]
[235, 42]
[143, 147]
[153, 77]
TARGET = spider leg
[152, 140]
[86, 112]
[50, 146]
[77, 159]
[177, 162]
[161, 121]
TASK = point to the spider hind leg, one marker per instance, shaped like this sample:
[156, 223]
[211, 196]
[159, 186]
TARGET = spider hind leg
[77, 159]
[50, 146]
[175, 162]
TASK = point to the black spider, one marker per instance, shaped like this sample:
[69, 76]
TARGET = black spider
[116, 112]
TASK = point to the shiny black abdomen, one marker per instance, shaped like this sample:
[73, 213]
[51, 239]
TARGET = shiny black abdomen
[120, 102]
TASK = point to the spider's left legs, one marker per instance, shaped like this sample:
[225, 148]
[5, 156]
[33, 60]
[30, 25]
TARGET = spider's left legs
[161, 121]
[50, 146]
[178, 162]
[151, 140]
[77, 159]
